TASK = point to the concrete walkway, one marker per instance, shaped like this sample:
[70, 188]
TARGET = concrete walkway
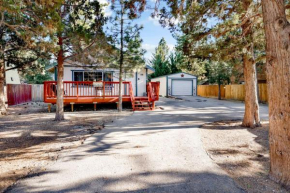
[157, 151]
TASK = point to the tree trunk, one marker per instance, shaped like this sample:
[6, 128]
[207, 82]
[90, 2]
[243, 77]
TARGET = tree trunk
[121, 60]
[277, 30]
[219, 94]
[3, 110]
[120, 91]
[59, 115]
[251, 116]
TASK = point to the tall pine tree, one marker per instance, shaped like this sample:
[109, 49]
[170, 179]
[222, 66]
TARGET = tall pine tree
[125, 37]
[225, 31]
[79, 29]
[159, 60]
[277, 30]
[24, 25]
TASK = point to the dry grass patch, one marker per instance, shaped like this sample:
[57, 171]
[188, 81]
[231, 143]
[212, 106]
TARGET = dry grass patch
[243, 153]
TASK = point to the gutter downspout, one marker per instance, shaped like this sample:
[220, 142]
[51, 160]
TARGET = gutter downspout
[136, 84]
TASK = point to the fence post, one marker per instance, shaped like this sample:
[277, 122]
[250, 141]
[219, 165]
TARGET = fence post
[44, 91]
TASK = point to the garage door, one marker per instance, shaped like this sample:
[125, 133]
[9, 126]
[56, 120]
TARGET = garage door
[181, 87]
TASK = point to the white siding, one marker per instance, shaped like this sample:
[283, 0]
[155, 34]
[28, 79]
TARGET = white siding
[162, 81]
[178, 75]
[128, 77]
[12, 76]
[194, 87]
[67, 73]
[141, 82]
[141, 74]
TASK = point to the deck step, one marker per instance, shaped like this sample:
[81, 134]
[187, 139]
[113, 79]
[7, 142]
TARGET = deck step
[142, 105]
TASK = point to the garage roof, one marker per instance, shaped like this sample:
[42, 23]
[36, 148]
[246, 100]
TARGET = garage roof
[175, 74]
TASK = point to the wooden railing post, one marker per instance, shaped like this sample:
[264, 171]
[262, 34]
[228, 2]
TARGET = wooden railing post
[104, 89]
[132, 96]
[77, 89]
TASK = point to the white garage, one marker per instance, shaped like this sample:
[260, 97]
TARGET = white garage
[178, 84]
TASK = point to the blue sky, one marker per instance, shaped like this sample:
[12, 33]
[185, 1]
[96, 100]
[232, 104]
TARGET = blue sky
[152, 34]
[152, 31]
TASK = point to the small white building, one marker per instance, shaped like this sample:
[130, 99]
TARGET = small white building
[138, 77]
[12, 76]
[178, 84]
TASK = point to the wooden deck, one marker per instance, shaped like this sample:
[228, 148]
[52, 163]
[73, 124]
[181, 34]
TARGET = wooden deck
[100, 92]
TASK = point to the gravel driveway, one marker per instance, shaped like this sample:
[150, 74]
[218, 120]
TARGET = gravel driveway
[158, 151]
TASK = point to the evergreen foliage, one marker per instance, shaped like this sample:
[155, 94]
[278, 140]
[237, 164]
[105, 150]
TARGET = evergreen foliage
[219, 72]
[162, 50]
[125, 37]
[24, 26]
[219, 30]
[164, 62]
[161, 67]
[80, 27]
[37, 72]
[175, 61]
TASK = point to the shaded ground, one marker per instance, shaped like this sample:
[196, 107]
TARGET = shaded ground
[243, 153]
[30, 139]
[152, 151]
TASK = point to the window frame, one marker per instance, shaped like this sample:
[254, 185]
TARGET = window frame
[73, 75]
[102, 75]
[83, 72]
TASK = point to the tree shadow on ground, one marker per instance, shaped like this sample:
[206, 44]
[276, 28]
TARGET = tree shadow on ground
[176, 116]
[163, 181]
[184, 116]
[29, 139]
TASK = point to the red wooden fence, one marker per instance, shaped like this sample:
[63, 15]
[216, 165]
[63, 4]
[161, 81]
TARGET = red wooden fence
[18, 93]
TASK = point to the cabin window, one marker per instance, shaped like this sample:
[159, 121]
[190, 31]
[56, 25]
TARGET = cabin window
[108, 76]
[78, 76]
[93, 76]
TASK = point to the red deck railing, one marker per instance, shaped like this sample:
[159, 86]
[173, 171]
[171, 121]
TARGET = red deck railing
[90, 92]
[153, 91]
[87, 89]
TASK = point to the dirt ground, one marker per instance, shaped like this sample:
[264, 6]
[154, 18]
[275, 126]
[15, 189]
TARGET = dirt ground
[243, 153]
[30, 139]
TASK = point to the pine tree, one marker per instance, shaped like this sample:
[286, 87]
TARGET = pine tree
[36, 73]
[159, 60]
[175, 61]
[161, 67]
[162, 50]
[24, 25]
[277, 30]
[79, 29]
[237, 34]
[219, 73]
[126, 38]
